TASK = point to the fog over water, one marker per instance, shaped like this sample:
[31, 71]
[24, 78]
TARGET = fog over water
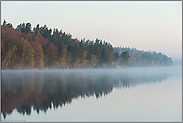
[131, 94]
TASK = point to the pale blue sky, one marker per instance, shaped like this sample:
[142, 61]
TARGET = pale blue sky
[155, 26]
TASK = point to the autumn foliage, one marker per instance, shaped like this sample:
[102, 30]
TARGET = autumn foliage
[43, 48]
[23, 48]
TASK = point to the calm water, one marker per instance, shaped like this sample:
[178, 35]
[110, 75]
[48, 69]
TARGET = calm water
[123, 95]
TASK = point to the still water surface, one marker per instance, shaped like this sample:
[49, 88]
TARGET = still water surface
[124, 95]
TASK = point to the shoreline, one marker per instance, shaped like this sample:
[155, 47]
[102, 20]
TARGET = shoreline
[145, 67]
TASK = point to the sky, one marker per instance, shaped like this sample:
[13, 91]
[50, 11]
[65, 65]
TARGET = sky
[145, 25]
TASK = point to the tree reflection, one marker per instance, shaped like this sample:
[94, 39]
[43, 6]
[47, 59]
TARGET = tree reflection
[41, 90]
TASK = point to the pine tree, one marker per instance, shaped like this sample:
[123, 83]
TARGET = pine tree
[4, 23]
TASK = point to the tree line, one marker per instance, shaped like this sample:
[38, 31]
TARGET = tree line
[144, 58]
[46, 48]
[38, 48]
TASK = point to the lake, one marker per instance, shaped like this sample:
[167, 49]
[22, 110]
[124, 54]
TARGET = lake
[103, 95]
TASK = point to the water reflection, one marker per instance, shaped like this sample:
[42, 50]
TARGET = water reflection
[22, 90]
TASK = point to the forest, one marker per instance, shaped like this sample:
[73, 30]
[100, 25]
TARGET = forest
[144, 58]
[43, 48]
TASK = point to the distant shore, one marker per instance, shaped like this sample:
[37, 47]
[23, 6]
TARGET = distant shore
[118, 67]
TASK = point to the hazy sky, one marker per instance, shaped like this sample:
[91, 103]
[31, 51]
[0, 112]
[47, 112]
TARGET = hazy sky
[155, 26]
